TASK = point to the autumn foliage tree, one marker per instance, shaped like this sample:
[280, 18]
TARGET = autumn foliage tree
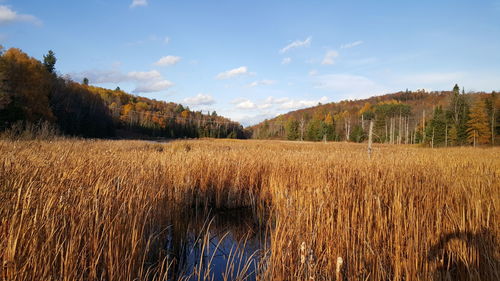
[438, 118]
[478, 129]
[25, 85]
[31, 91]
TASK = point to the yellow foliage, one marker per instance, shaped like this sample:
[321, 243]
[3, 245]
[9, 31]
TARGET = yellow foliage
[127, 108]
[329, 119]
[185, 114]
[478, 130]
[365, 108]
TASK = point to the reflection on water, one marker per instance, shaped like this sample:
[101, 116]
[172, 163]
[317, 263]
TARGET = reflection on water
[215, 245]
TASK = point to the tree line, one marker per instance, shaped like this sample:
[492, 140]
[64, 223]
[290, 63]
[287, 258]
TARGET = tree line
[445, 118]
[31, 91]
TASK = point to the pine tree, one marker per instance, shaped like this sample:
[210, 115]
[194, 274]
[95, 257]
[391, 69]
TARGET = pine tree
[314, 130]
[357, 134]
[329, 127]
[292, 129]
[437, 125]
[49, 61]
[478, 129]
[458, 112]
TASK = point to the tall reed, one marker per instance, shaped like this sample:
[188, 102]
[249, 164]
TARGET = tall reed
[93, 210]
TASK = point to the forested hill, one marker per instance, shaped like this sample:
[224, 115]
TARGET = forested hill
[31, 92]
[434, 118]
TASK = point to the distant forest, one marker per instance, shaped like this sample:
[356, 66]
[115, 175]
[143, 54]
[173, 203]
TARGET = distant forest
[32, 92]
[444, 118]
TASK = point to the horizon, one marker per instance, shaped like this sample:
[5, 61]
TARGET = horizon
[254, 61]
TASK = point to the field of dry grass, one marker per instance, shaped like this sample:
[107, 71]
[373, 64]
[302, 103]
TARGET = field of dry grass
[97, 210]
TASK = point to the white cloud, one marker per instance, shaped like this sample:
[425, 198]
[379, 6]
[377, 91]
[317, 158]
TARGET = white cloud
[101, 76]
[166, 40]
[261, 83]
[200, 99]
[265, 106]
[250, 120]
[244, 104]
[283, 103]
[168, 60]
[268, 108]
[352, 44]
[297, 44]
[144, 75]
[270, 102]
[330, 57]
[146, 81]
[153, 86]
[136, 3]
[313, 72]
[232, 73]
[7, 15]
[273, 100]
[286, 60]
[298, 104]
[149, 81]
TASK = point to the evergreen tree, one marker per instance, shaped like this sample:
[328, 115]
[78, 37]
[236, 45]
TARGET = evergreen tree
[478, 129]
[357, 134]
[85, 81]
[49, 61]
[292, 129]
[329, 127]
[315, 130]
[436, 128]
[458, 112]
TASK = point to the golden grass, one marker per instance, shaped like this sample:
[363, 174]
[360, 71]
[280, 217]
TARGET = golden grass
[96, 210]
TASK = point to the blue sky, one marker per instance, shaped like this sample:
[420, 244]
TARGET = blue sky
[251, 60]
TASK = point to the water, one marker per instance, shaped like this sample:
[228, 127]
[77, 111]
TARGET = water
[223, 245]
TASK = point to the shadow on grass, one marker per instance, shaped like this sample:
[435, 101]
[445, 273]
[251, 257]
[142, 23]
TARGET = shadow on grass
[465, 255]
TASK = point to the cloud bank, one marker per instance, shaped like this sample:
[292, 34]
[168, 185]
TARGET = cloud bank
[242, 70]
[200, 99]
[146, 81]
[168, 60]
[7, 15]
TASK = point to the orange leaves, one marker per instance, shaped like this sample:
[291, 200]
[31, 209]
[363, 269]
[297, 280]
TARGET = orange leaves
[29, 81]
[185, 114]
[478, 130]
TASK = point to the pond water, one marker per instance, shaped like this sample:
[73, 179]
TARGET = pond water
[220, 245]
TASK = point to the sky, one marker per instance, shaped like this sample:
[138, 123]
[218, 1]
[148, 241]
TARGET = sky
[251, 60]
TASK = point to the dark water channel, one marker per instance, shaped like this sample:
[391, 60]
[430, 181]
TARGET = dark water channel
[216, 245]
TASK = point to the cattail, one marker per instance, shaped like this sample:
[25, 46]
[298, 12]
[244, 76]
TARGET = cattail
[303, 253]
[340, 261]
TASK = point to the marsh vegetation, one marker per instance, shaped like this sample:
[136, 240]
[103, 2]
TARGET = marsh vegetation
[130, 210]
